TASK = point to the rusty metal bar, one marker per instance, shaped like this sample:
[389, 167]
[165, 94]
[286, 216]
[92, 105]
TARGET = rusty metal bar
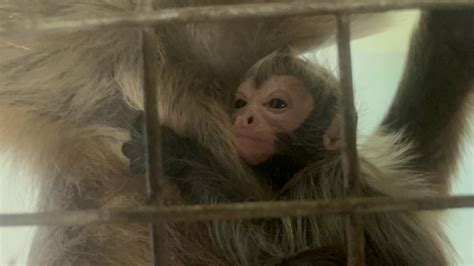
[350, 161]
[236, 211]
[154, 171]
[225, 12]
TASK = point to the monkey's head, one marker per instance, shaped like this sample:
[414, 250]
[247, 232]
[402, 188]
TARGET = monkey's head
[285, 105]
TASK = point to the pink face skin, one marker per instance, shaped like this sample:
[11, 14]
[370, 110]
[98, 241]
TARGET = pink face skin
[280, 105]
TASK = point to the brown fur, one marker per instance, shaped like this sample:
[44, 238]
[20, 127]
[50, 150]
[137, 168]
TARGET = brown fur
[67, 100]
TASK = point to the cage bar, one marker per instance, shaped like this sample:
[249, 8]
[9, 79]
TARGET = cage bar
[236, 211]
[224, 12]
[350, 162]
[154, 170]
[153, 145]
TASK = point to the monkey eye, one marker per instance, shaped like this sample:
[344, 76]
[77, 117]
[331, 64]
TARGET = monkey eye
[277, 104]
[239, 104]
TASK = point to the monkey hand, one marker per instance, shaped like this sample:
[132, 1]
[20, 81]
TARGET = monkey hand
[134, 149]
[172, 146]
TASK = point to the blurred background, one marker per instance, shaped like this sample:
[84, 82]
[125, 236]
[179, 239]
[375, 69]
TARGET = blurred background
[377, 67]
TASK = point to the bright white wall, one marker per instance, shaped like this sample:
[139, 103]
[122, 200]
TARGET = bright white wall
[16, 196]
[377, 62]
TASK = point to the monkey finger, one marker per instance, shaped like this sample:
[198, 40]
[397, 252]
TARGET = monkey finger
[131, 150]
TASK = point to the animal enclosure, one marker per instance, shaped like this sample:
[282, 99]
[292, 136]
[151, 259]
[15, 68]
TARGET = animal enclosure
[157, 216]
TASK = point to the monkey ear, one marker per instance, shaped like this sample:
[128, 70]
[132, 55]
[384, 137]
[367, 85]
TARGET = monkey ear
[332, 136]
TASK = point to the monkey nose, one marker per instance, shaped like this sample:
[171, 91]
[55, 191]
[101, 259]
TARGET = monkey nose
[245, 120]
[249, 120]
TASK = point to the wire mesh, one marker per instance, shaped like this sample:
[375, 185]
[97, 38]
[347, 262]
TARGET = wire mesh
[157, 215]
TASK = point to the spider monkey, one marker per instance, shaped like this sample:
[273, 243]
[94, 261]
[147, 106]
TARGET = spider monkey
[81, 90]
[278, 129]
[287, 126]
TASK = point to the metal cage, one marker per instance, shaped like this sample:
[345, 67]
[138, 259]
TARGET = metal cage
[156, 216]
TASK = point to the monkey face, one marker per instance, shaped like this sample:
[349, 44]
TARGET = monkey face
[280, 105]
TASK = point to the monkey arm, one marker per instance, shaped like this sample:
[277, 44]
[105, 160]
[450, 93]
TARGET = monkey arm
[228, 48]
[430, 105]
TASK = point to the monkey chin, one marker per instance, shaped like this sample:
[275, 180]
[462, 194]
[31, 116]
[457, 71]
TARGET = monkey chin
[254, 152]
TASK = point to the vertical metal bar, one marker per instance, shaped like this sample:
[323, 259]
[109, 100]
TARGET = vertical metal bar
[154, 171]
[354, 229]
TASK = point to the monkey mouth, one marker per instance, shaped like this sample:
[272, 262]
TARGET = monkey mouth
[254, 150]
[251, 137]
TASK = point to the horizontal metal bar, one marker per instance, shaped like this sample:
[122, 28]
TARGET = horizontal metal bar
[224, 12]
[236, 211]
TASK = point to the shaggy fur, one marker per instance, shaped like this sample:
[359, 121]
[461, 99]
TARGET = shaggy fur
[67, 101]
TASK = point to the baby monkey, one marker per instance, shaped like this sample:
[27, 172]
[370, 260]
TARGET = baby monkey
[284, 116]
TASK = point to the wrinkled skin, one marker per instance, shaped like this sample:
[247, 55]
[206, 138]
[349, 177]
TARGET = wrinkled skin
[280, 105]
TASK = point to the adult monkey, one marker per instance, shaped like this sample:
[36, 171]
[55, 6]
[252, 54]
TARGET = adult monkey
[402, 159]
[80, 89]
